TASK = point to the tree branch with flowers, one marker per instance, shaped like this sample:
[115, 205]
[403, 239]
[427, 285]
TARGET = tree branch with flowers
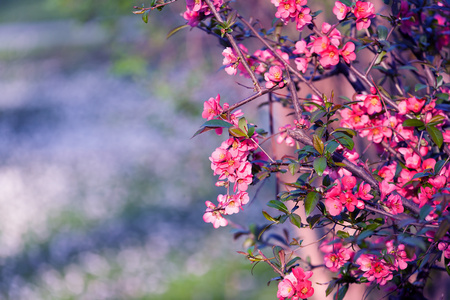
[386, 216]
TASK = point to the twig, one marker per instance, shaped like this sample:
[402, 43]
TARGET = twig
[235, 47]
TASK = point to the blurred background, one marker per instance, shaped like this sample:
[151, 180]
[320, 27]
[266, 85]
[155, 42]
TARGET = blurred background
[102, 190]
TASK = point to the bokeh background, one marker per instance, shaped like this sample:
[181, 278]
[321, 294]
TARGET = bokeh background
[102, 189]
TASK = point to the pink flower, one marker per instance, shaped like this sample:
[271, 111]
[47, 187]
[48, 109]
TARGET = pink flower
[285, 137]
[285, 289]
[411, 158]
[212, 108]
[302, 64]
[340, 10]
[415, 105]
[274, 76]
[304, 289]
[394, 204]
[348, 52]
[321, 44]
[386, 188]
[214, 216]
[364, 11]
[349, 200]
[329, 57]
[334, 36]
[193, 17]
[349, 182]
[334, 206]
[303, 18]
[286, 9]
[373, 104]
[364, 191]
[194, 5]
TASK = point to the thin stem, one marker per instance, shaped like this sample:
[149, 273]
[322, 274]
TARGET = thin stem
[281, 59]
[235, 47]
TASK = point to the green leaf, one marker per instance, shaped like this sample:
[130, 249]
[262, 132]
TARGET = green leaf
[341, 292]
[342, 234]
[331, 146]
[293, 168]
[318, 144]
[447, 265]
[438, 166]
[331, 287]
[412, 241]
[320, 164]
[295, 220]
[276, 254]
[243, 125]
[365, 234]
[425, 211]
[212, 124]
[408, 68]
[317, 115]
[436, 135]
[145, 17]
[442, 230]
[251, 131]
[311, 201]
[176, 29]
[382, 32]
[412, 123]
[268, 217]
[278, 205]
[312, 220]
[348, 131]
[419, 87]
[236, 132]
[345, 140]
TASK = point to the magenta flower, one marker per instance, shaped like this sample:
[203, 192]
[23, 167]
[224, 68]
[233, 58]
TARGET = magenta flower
[303, 18]
[214, 215]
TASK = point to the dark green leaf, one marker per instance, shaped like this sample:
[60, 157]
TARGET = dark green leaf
[425, 211]
[278, 205]
[442, 230]
[312, 220]
[276, 253]
[412, 123]
[311, 201]
[436, 135]
[320, 164]
[412, 241]
[438, 166]
[295, 220]
[330, 287]
[382, 32]
[331, 146]
[364, 234]
[341, 292]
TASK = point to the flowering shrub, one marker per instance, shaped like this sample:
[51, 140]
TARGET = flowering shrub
[386, 217]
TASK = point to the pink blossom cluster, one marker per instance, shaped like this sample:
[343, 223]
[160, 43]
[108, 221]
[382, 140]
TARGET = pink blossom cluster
[363, 12]
[327, 47]
[377, 269]
[295, 10]
[345, 195]
[296, 285]
[263, 61]
[371, 120]
[196, 10]
[335, 255]
[230, 162]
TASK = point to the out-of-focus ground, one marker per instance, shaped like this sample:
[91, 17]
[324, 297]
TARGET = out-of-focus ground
[102, 190]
